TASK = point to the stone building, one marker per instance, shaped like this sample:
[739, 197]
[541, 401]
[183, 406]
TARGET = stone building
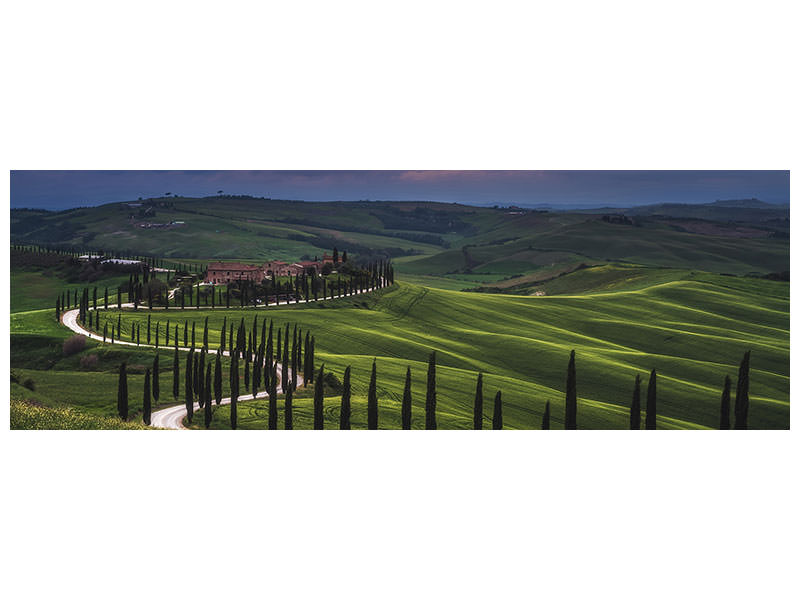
[223, 272]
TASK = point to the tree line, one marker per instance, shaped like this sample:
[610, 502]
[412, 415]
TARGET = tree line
[270, 363]
[149, 262]
[300, 355]
[150, 292]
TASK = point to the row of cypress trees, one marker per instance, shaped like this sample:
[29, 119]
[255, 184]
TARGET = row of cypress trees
[76, 251]
[571, 404]
[201, 387]
[260, 362]
[381, 276]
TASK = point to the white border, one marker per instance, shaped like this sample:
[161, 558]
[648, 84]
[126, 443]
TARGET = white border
[444, 85]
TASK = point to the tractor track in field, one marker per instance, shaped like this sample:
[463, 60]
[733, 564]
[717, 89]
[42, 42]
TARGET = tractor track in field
[417, 299]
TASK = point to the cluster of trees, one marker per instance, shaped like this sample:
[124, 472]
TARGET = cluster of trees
[268, 363]
[149, 291]
[264, 366]
[146, 263]
[741, 407]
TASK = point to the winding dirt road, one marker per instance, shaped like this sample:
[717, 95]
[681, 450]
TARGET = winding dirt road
[170, 417]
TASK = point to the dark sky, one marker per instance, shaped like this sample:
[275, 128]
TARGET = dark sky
[67, 189]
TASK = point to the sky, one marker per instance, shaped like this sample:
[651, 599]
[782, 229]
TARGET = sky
[57, 190]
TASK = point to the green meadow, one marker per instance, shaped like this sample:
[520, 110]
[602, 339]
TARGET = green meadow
[504, 292]
[693, 329]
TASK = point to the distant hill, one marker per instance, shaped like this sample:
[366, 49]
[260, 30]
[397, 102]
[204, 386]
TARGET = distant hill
[749, 210]
[442, 244]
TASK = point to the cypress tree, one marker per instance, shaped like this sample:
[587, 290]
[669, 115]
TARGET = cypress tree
[156, 382]
[234, 388]
[122, 393]
[725, 405]
[146, 407]
[546, 416]
[430, 396]
[295, 354]
[247, 371]
[207, 394]
[288, 416]
[344, 412]
[286, 375]
[477, 412]
[319, 394]
[193, 335]
[222, 334]
[148, 329]
[218, 379]
[176, 375]
[189, 393]
[273, 398]
[205, 334]
[254, 380]
[157, 328]
[571, 409]
[405, 411]
[742, 404]
[372, 399]
[105, 332]
[305, 363]
[201, 387]
[196, 383]
[650, 417]
[137, 334]
[636, 405]
[269, 341]
[497, 417]
[310, 359]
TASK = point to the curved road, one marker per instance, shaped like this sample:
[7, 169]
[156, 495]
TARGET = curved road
[171, 417]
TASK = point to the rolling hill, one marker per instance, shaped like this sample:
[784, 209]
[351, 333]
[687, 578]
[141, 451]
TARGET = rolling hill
[692, 328]
[450, 246]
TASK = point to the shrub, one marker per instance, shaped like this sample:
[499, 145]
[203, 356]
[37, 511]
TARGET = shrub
[332, 383]
[74, 345]
[89, 362]
[30, 384]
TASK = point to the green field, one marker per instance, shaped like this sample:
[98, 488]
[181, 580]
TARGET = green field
[450, 246]
[693, 330]
[626, 297]
[32, 290]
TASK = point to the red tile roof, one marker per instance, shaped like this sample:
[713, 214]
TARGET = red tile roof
[223, 266]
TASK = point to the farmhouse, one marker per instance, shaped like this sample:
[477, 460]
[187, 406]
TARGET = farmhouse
[275, 267]
[221, 272]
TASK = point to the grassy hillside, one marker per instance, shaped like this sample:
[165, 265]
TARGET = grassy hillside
[628, 296]
[443, 245]
[692, 329]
